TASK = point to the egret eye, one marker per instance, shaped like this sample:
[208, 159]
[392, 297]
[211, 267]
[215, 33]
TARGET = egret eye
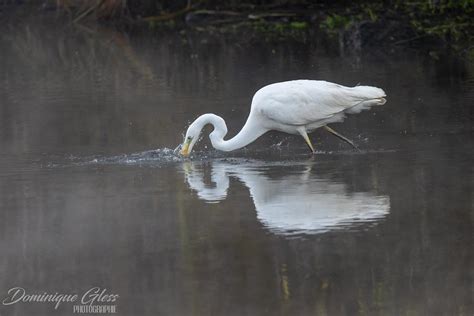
[189, 138]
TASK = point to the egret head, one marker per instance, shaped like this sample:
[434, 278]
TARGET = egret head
[194, 130]
[192, 135]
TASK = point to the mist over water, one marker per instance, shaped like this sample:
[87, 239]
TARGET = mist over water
[93, 193]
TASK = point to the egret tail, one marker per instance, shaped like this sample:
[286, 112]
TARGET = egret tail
[364, 97]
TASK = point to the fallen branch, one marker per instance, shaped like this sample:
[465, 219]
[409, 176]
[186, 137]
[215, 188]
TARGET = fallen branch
[214, 12]
[410, 39]
[172, 15]
[272, 15]
[87, 11]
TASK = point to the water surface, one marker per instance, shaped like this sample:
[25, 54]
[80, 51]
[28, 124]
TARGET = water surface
[91, 193]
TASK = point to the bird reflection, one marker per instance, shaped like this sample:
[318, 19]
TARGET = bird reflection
[298, 202]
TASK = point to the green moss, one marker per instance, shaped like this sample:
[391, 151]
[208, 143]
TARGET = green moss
[335, 22]
[450, 20]
[299, 25]
[274, 30]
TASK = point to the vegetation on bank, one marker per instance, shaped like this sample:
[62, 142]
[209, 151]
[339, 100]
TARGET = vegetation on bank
[441, 23]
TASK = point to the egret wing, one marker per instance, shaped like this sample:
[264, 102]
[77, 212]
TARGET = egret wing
[304, 102]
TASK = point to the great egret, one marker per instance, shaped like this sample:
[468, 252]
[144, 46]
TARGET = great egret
[294, 107]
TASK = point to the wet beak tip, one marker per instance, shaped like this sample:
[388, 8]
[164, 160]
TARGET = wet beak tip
[185, 148]
[184, 152]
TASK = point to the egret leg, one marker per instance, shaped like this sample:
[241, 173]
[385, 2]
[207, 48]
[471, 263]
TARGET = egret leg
[330, 130]
[303, 133]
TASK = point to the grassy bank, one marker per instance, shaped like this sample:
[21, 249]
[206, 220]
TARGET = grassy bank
[429, 24]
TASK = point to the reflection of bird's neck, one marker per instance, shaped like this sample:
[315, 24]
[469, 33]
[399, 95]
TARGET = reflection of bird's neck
[250, 132]
[219, 178]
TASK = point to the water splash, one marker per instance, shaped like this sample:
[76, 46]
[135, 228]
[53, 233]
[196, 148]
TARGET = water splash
[162, 156]
[156, 157]
[149, 157]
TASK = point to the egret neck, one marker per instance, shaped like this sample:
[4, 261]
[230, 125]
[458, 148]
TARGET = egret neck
[250, 132]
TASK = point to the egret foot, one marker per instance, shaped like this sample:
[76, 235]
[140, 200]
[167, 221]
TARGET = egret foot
[303, 133]
[330, 130]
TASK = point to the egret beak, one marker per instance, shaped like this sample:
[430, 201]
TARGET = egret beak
[185, 148]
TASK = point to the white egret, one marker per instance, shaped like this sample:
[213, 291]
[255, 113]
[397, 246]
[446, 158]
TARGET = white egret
[294, 107]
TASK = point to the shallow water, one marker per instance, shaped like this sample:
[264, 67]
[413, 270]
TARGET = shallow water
[92, 193]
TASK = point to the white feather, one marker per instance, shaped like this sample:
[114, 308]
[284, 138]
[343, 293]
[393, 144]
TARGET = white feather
[313, 103]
